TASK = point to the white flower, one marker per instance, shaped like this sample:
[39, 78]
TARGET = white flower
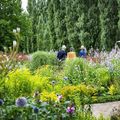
[18, 29]
[14, 43]
[14, 31]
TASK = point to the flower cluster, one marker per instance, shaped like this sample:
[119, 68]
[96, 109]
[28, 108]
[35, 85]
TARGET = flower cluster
[68, 90]
[48, 96]
[59, 97]
[21, 102]
[82, 88]
[112, 90]
[70, 110]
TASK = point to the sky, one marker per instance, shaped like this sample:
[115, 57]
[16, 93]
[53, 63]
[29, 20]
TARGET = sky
[24, 4]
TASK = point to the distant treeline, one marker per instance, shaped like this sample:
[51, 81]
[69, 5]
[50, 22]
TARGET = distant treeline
[74, 22]
[51, 23]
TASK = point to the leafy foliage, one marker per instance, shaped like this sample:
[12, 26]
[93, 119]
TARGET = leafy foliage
[12, 17]
[51, 94]
[80, 70]
[92, 23]
[42, 58]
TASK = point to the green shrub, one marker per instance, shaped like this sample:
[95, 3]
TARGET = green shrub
[42, 58]
[103, 76]
[116, 70]
[80, 70]
[75, 70]
[18, 83]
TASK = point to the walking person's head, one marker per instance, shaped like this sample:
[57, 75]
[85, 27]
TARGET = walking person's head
[71, 49]
[63, 47]
[82, 47]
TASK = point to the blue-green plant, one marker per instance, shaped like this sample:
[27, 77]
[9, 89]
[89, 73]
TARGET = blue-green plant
[42, 58]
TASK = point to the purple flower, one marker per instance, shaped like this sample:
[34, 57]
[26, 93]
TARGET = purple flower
[59, 97]
[70, 110]
[36, 110]
[21, 102]
[1, 102]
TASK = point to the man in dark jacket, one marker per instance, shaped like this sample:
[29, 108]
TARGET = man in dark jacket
[62, 53]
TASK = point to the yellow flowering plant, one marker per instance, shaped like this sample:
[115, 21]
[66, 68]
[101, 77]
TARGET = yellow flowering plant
[112, 90]
[48, 96]
[52, 77]
[103, 76]
[18, 82]
[40, 83]
[45, 71]
[82, 90]
[68, 91]
[22, 82]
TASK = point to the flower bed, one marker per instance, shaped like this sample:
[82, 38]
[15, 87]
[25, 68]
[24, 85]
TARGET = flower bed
[58, 92]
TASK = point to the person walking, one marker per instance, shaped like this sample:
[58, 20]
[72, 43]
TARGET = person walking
[62, 54]
[83, 52]
[71, 54]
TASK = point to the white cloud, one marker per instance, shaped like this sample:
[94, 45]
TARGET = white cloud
[24, 4]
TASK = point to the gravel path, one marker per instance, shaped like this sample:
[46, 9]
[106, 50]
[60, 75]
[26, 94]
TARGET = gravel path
[104, 108]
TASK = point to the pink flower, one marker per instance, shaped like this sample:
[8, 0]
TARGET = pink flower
[60, 97]
[70, 110]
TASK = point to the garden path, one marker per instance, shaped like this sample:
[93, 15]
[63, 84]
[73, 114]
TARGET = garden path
[104, 108]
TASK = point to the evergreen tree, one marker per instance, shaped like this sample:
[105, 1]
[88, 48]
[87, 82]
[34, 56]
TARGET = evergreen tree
[92, 25]
[81, 23]
[50, 12]
[108, 22]
[118, 37]
[73, 23]
[70, 19]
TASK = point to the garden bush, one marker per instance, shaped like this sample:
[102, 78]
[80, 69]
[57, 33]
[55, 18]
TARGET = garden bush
[42, 58]
[116, 70]
[23, 82]
[18, 82]
[103, 76]
[80, 70]
[46, 71]
[76, 70]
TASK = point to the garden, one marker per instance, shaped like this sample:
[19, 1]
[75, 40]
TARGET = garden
[34, 84]
[45, 88]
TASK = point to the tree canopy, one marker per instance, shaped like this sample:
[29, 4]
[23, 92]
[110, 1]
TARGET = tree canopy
[74, 22]
[51, 23]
